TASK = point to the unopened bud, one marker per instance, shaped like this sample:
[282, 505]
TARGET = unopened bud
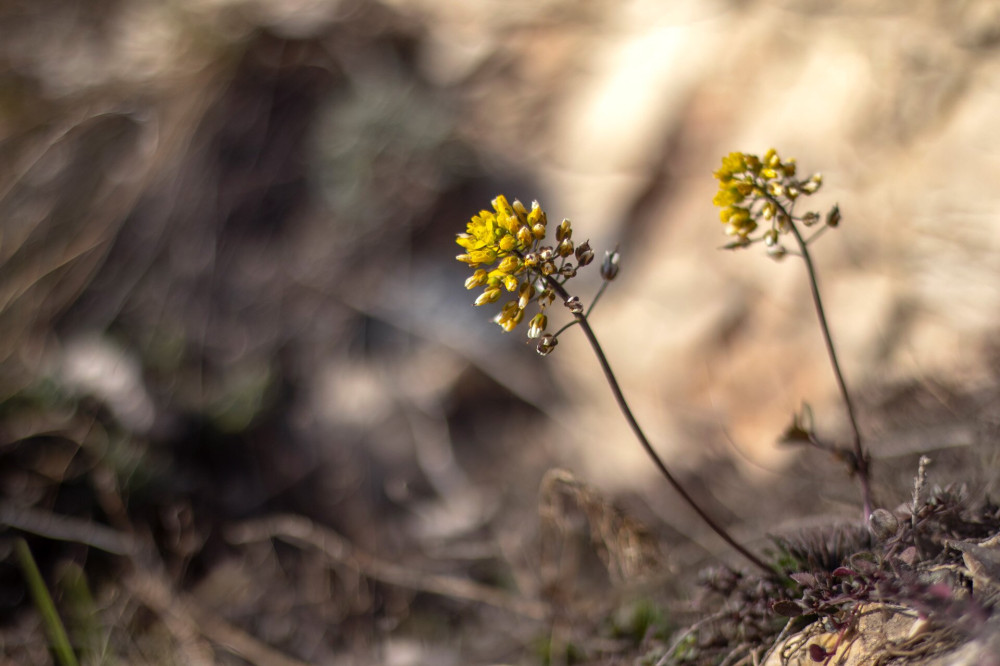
[882, 524]
[609, 267]
[833, 217]
[564, 230]
[537, 325]
[524, 294]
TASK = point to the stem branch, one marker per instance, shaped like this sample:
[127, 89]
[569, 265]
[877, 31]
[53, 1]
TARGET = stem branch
[860, 466]
[641, 436]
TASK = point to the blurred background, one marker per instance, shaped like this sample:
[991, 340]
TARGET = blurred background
[229, 293]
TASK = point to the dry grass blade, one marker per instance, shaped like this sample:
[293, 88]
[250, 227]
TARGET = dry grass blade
[301, 531]
[182, 615]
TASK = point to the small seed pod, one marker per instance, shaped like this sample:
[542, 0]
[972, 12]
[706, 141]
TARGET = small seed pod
[771, 237]
[584, 255]
[833, 217]
[548, 268]
[568, 270]
[609, 267]
[810, 218]
[574, 305]
[547, 343]
[883, 525]
[545, 253]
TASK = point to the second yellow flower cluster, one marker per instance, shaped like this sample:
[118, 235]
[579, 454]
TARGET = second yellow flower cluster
[746, 180]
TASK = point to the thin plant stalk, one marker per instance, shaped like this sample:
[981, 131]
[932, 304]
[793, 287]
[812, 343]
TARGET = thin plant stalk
[860, 465]
[623, 405]
[46, 607]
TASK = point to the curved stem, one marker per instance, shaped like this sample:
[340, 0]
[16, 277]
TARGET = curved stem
[861, 459]
[641, 436]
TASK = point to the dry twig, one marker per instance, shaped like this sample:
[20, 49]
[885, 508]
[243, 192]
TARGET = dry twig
[303, 532]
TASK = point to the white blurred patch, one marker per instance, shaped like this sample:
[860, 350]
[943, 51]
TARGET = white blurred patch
[97, 367]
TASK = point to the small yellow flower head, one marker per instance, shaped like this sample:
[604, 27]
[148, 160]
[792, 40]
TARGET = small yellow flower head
[755, 190]
[507, 249]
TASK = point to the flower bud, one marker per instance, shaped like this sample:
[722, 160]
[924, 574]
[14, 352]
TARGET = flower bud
[509, 264]
[771, 237]
[565, 248]
[524, 294]
[524, 237]
[538, 231]
[609, 267]
[548, 268]
[882, 524]
[519, 209]
[491, 295]
[511, 323]
[537, 215]
[813, 183]
[833, 217]
[777, 252]
[564, 230]
[478, 279]
[537, 325]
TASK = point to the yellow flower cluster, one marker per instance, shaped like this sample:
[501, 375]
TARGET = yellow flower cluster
[505, 247]
[752, 188]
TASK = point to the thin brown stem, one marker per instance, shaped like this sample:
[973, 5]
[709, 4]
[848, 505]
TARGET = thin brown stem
[641, 436]
[861, 462]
